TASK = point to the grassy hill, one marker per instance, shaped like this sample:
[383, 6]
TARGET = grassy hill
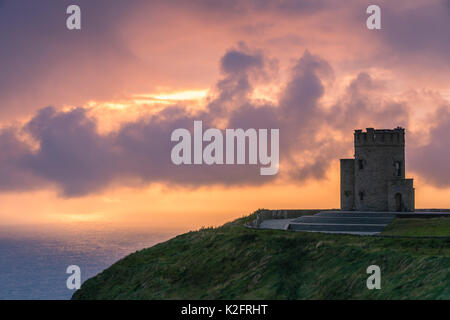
[419, 227]
[234, 262]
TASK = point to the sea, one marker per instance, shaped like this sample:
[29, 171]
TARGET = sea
[34, 259]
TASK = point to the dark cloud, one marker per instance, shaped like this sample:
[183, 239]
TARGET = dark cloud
[41, 57]
[431, 160]
[14, 175]
[72, 154]
[53, 65]
[413, 40]
[239, 67]
[79, 160]
[110, 58]
[235, 61]
[281, 6]
[363, 105]
[418, 30]
[75, 157]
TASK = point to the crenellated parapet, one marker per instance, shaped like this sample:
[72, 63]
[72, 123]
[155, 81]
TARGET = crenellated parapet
[382, 137]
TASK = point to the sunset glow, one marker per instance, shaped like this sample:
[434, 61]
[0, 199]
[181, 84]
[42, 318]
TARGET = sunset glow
[120, 86]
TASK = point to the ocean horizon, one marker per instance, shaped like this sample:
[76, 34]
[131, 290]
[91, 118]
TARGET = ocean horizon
[34, 259]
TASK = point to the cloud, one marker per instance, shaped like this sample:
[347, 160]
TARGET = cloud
[139, 46]
[14, 175]
[136, 46]
[41, 57]
[235, 61]
[363, 105]
[78, 160]
[71, 153]
[422, 28]
[431, 160]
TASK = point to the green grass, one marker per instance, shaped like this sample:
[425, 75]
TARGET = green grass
[418, 227]
[234, 262]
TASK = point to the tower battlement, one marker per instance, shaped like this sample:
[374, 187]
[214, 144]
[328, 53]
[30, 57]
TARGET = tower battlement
[381, 137]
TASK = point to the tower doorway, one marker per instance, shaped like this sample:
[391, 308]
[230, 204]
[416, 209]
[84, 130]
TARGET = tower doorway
[398, 202]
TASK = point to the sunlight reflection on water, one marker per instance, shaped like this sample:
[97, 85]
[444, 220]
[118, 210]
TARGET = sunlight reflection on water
[33, 260]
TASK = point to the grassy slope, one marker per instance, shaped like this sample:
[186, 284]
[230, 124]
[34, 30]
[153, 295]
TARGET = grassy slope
[419, 227]
[233, 262]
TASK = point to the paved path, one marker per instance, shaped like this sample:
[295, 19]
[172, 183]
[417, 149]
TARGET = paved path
[334, 222]
[348, 222]
[275, 224]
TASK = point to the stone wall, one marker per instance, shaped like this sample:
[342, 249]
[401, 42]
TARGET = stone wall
[347, 184]
[266, 214]
[401, 190]
[378, 173]
[377, 153]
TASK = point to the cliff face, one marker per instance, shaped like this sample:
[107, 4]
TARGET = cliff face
[234, 262]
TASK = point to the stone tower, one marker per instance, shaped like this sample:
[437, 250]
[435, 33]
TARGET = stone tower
[375, 179]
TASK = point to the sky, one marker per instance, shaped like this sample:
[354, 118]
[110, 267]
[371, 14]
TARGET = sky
[86, 115]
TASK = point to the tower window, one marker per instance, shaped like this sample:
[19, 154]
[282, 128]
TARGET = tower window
[398, 168]
[361, 164]
[361, 195]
